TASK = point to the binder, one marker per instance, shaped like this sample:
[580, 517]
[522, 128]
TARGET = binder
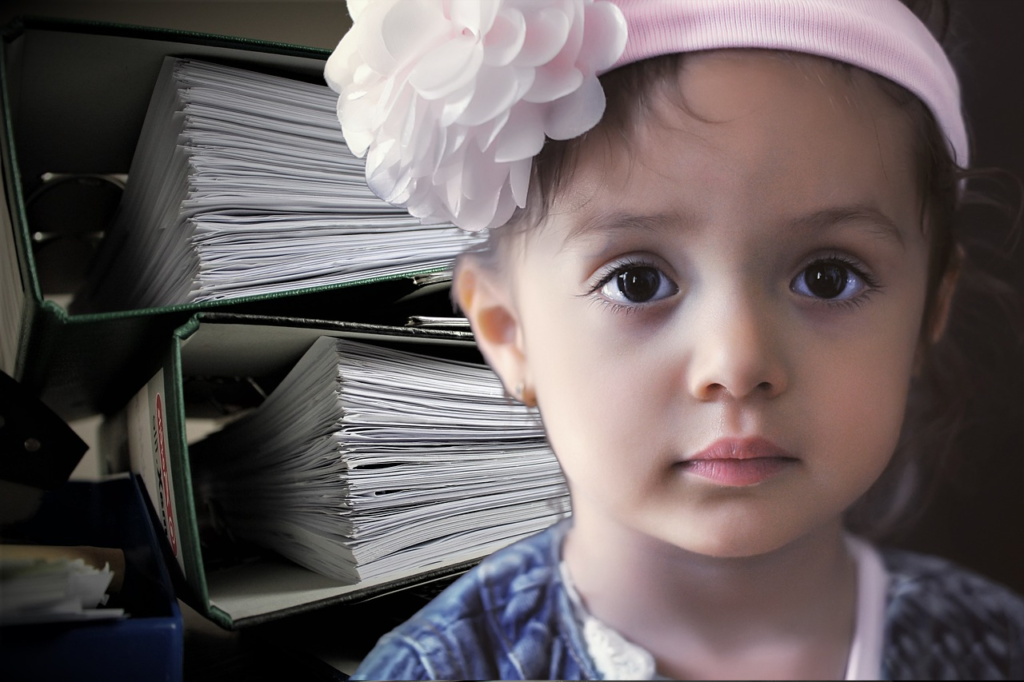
[74, 95]
[152, 429]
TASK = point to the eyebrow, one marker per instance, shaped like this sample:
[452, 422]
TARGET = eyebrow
[871, 218]
[866, 215]
[613, 222]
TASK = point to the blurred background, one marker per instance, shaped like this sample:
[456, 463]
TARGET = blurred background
[314, 23]
[978, 515]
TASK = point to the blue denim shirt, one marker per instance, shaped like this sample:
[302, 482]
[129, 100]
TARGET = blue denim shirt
[511, 618]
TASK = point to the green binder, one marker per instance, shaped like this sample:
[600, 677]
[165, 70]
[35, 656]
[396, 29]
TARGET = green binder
[74, 96]
[152, 430]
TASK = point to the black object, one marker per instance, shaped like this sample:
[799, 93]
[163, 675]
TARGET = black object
[37, 448]
[68, 214]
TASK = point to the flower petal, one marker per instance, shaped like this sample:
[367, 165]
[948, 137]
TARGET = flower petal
[476, 15]
[357, 126]
[340, 68]
[390, 123]
[523, 135]
[454, 104]
[496, 91]
[577, 113]
[476, 214]
[505, 39]
[553, 83]
[447, 67]
[604, 38]
[546, 31]
[370, 39]
[356, 7]
[413, 115]
[504, 210]
[377, 168]
[440, 144]
[524, 79]
[453, 189]
[411, 27]
[457, 136]
[451, 166]
[363, 75]
[519, 179]
[487, 177]
[573, 42]
[486, 133]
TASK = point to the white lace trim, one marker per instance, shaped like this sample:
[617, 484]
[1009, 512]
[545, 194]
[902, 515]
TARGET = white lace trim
[614, 657]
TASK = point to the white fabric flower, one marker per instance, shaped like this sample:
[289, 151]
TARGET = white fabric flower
[449, 100]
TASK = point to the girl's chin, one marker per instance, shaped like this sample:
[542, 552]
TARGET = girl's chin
[731, 540]
[727, 548]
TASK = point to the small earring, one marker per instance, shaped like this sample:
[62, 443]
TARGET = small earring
[519, 391]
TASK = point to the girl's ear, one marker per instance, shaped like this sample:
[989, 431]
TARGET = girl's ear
[488, 303]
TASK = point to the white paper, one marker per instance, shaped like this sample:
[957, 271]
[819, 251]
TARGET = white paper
[51, 591]
[242, 185]
[367, 461]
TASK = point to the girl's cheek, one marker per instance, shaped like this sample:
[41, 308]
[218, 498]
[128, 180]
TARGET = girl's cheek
[856, 392]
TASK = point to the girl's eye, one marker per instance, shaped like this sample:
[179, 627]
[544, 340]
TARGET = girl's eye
[830, 279]
[637, 284]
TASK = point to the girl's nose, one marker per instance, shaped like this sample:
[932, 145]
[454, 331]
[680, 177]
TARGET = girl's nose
[737, 355]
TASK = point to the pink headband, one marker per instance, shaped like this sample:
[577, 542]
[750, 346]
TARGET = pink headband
[450, 100]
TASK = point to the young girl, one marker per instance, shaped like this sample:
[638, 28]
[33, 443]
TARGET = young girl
[716, 281]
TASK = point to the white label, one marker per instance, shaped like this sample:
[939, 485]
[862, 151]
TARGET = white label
[151, 457]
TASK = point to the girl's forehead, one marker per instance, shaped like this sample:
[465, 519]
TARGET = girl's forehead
[754, 132]
[717, 85]
[711, 91]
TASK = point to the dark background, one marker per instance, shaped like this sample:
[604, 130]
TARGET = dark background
[977, 518]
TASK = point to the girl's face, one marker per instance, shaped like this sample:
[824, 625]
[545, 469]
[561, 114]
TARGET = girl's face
[753, 272]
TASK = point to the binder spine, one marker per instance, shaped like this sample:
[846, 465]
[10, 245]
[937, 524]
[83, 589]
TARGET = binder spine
[190, 550]
[32, 338]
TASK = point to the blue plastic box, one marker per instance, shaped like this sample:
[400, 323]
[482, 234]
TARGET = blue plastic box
[146, 646]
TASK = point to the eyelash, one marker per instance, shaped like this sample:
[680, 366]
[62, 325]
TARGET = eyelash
[610, 272]
[871, 285]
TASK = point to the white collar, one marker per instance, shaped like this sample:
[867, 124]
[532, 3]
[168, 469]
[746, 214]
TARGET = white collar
[865, 661]
[619, 659]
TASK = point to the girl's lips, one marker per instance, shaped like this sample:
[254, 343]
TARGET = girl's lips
[736, 472]
[738, 461]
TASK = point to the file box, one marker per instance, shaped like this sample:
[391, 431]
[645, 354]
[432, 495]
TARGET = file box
[148, 644]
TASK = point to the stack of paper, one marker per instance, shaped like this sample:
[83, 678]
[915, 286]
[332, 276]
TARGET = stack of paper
[53, 590]
[368, 461]
[242, 185]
